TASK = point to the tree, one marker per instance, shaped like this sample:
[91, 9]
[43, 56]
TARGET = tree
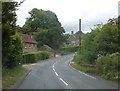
[107, 40]
[41, 37]
[45, 20]
[8, 28]
[102, 40]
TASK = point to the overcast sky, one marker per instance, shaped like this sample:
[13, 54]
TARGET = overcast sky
[69, 12]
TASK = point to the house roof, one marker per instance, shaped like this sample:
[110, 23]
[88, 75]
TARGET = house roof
[46, 47]
[72, 38]
[28, 38]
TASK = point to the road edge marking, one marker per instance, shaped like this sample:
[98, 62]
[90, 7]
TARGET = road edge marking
[82, 72]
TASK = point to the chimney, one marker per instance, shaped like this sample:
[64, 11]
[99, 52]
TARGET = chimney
[72, 32]
[79, 24]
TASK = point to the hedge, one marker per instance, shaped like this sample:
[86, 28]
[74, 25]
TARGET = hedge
[35, 56]
[69, 49]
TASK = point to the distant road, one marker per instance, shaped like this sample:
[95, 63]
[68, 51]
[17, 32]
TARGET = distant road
[56, 73]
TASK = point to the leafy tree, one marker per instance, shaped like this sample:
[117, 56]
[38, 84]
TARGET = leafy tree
[45, 20]
[65, 37]
[8, 28]
[102, 40]
[41, 37]
[107, 40]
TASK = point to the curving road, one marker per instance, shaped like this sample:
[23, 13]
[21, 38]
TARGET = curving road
[56, 73]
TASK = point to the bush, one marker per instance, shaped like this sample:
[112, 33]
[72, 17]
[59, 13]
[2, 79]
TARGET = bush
[16, 50]
[108, 66]
[35, 56]
[69, 49]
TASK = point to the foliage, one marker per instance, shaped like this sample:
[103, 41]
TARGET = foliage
[101, 47]
[68, 49]
[65, 37]
[41, 37]
[108, 66]
[41, 20]
[102, 40]
[84, 69]
[8, 30]
[16, 51]
[35, 56]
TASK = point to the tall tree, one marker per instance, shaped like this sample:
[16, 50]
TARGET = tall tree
[8, 28]
[45, 20]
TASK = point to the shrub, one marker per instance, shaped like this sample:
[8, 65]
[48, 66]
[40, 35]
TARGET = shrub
[35, 56]
[69, 49]
[16, 50]
[108, 66]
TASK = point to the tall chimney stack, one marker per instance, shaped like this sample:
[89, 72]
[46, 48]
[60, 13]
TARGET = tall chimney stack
[79, 24]
[72, 32]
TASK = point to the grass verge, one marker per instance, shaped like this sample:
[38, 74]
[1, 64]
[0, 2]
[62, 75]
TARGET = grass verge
[10, 76]
[84, 69]
[92, 71]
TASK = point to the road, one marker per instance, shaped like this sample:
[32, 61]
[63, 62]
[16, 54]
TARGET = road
[56, 73]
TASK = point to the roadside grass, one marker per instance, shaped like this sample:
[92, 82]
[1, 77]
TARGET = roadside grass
[10, 76]
[93, 71]
[84, 69]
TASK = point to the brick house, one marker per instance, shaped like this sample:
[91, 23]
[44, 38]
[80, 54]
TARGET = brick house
[30, 44]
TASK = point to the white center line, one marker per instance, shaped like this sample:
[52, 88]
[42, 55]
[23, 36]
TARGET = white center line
[56, 73]
[53, 69]
[63, 81]
[53, 66]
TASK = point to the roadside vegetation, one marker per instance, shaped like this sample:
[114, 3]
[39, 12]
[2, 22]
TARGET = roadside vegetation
[68, 49]
[34, 57]
[10, 76]
[45, 28]
[99, 51]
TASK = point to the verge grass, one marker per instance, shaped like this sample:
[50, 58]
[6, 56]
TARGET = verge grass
[10, 76]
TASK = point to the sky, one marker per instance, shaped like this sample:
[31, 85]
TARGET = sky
[91, 12]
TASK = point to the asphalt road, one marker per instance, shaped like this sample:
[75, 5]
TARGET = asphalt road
[56, 73]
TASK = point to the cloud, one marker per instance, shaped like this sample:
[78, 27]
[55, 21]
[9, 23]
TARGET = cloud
[69, 12]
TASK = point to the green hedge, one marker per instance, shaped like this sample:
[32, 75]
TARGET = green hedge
[35, 56]
[69, 49]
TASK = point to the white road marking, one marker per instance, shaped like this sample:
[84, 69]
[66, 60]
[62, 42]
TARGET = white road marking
[56, 73]
[63, 81]
[28, 65]
[25, 65]
[89, 76]
[53, 66]
[82, 72]
[32, 64]
[53, 69]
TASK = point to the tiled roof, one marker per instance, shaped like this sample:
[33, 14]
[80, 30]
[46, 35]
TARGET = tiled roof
[71, 38]
[46, 47]
[28, 38]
